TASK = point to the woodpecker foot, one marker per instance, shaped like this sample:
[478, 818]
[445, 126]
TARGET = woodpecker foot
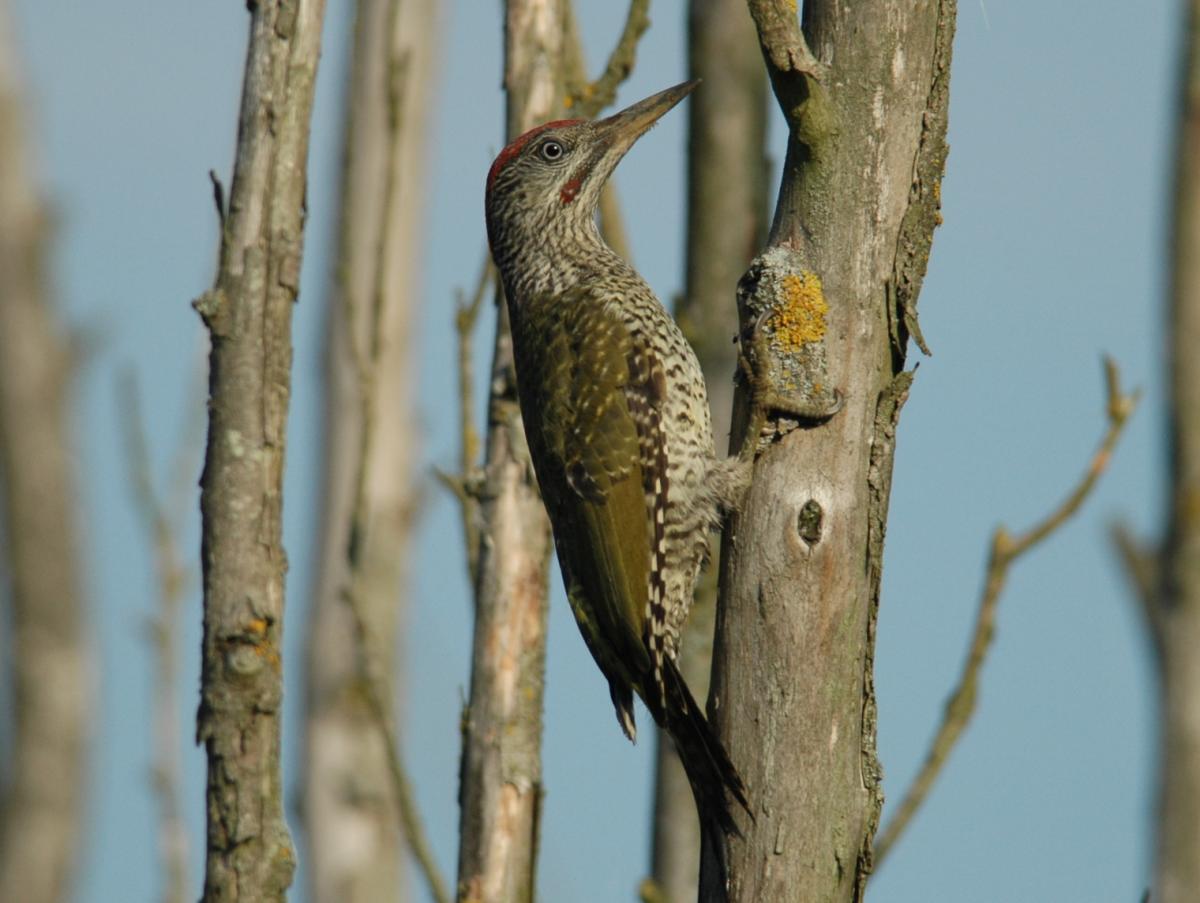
[753, 354]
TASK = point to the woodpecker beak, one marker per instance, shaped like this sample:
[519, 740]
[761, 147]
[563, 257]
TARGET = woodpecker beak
[624, 128]
[617, 133]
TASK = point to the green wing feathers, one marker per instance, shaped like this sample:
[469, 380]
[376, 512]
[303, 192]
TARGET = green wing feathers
[575, 379]
[593, 396]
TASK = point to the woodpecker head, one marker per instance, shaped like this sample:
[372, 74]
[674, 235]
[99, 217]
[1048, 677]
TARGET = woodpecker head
[546, 184]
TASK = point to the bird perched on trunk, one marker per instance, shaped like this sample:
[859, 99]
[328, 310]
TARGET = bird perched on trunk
[617, 419]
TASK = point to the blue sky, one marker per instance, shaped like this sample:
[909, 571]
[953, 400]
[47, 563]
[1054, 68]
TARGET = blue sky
[1051, 253]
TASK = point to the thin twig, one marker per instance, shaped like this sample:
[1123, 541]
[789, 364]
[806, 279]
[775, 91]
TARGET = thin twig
[589, 98]
[189, 450]
[612, 227]
[367, 365]
[218, 190]
[466, 317]
[1006, 549]
[162, 532]
[1141, 566]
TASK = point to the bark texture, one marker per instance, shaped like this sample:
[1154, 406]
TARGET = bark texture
[47, 658]
[500, 783]
[248, 313]
[793, 694]
[726, 224]
[352, 826]
[1175, 612]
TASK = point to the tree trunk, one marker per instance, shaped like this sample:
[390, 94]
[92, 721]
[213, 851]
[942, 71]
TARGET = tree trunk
[793, 693]
[353, 831]
[248, 313]
[1175, 613]
[47, 659]
[500, 792]
[726, 224]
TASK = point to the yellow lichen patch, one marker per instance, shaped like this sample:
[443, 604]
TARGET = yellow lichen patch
[800, 318]
[585, 92]
[268, 653]
[272, 657]
[264, 648]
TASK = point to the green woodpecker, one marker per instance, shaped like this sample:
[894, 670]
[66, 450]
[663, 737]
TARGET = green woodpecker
[618, 424]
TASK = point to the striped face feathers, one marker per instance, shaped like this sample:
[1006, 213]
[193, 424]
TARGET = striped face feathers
[535, 186]
[547, 181]
[537, 155]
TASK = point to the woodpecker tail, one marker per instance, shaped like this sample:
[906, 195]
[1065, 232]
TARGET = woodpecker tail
[713, 777]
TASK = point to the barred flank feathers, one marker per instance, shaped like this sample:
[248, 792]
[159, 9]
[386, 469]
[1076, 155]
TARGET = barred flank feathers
[646, 397]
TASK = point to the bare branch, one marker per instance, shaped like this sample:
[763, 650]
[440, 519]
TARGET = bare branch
[248, 313]
[783, 43]
[218, 189]
[1143, 569]
[612, 228]
[1006, 549]
[588, 99]
[466, 318]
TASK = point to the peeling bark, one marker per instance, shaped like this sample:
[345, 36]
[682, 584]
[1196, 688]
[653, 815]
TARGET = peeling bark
[248, 313]
[793, 694]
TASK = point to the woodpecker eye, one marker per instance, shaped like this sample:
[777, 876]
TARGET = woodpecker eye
[552, 150]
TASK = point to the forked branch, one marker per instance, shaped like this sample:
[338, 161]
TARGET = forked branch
[1006, 550]
[587, 99]
[782, 41]
[1142, 567]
